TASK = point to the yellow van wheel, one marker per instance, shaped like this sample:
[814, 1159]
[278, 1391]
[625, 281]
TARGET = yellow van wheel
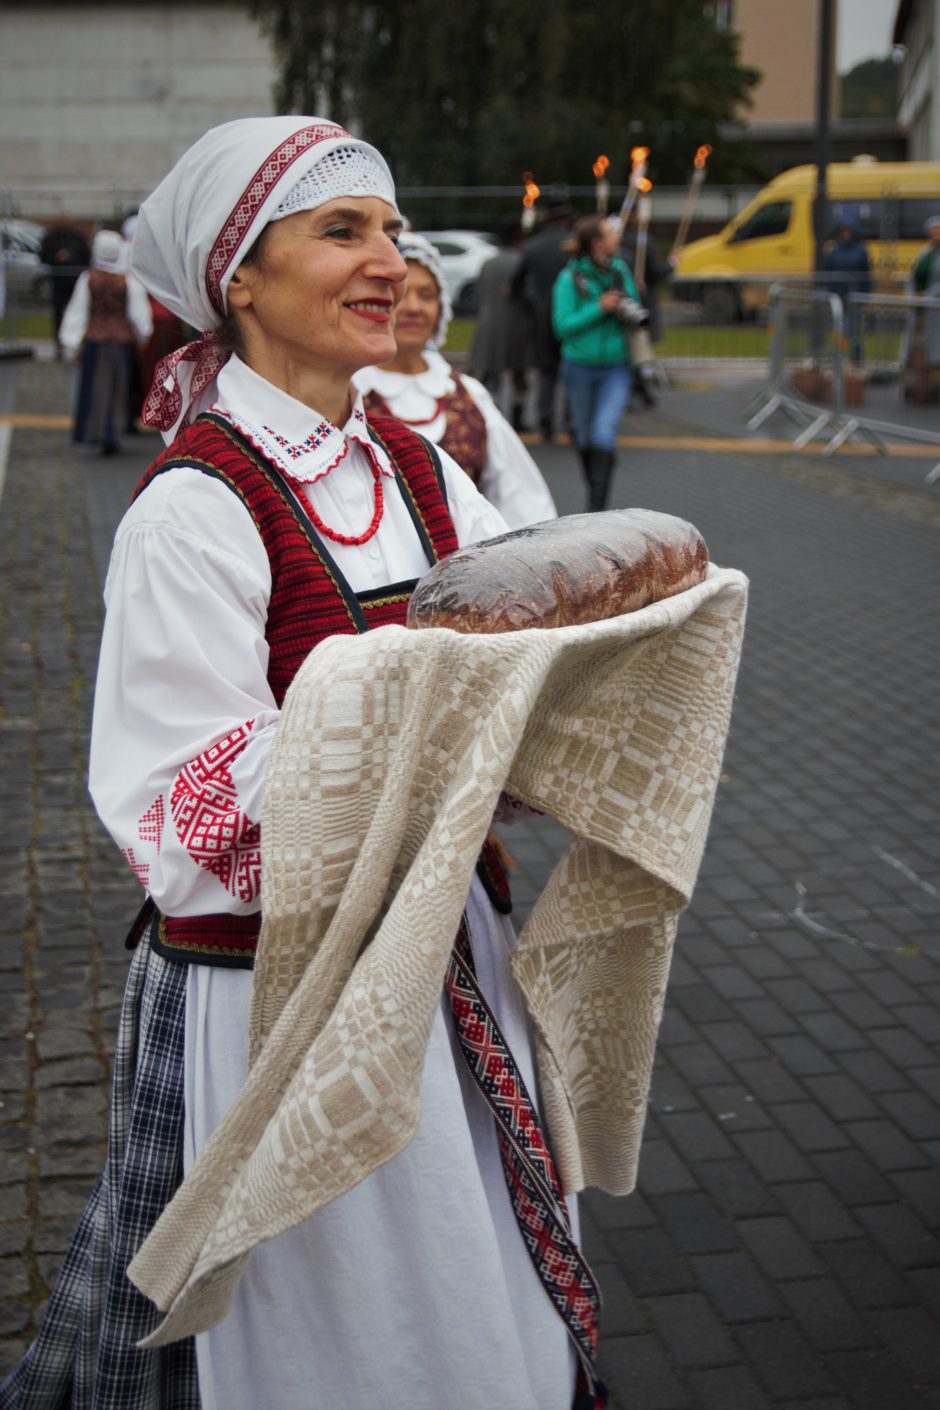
[720, 304]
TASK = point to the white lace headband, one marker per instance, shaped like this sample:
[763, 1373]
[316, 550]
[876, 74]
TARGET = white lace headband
[344, 171]
[414, 247]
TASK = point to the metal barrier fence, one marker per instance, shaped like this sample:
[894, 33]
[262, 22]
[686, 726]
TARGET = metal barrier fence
[827, 353]
[32, 298]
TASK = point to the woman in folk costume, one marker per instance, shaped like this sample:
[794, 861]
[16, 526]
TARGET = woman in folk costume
[279, 516]
[419, 387]
[107, 318]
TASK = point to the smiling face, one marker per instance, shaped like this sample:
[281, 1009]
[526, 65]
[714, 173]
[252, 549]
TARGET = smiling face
[317, 303]
[419, 310]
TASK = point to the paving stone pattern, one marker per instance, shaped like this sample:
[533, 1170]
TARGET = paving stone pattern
[781, 1248]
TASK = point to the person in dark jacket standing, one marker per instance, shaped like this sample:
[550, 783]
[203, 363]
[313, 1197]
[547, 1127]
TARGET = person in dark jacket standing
[848, 271]
[543, 258]
[66, 252]
[594, 305]
[502, 340]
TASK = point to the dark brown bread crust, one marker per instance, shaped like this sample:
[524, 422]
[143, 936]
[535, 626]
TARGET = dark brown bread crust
[582, 568]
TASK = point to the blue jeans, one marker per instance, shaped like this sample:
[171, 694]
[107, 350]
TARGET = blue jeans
[597, 398]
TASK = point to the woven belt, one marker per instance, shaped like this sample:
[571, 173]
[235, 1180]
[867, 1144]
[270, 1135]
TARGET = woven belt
[534, 1187]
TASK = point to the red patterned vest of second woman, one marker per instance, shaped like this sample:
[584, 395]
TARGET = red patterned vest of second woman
[107, 320]
[310, 601]
[464, 438]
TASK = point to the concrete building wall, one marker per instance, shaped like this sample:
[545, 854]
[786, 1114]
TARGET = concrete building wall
[781, 41]
[98, 97]
[919, 105]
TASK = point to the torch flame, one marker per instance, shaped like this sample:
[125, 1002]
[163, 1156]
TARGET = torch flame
[600, 166]
[638, 156]
[701, 156]
[532, 192]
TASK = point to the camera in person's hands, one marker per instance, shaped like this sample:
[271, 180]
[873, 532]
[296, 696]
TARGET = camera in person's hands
[632, 313]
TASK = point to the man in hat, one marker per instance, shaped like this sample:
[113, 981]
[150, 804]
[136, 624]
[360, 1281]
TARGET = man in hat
[544, 256]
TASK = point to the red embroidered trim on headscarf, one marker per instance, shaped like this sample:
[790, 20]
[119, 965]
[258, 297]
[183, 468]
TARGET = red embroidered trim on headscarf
[253, 198]
[164, 405]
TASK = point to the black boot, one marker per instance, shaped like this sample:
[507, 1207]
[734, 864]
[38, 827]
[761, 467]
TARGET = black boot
[642, 387]
[600, 467]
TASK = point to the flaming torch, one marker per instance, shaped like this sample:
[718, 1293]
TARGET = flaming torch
[603, 185]
[695, 187]
[638, 160]
[644, 211]
[532, 194]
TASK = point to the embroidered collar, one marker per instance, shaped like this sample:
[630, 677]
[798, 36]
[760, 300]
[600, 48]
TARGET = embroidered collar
[305, 445]
[435, 382]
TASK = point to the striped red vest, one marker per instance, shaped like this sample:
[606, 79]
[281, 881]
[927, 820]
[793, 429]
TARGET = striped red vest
[310, 601]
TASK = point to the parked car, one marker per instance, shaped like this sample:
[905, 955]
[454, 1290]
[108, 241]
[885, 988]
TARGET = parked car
[463, 254]
[26, 275]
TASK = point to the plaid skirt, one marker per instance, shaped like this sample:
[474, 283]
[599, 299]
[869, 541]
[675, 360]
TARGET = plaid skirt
[85, 1357]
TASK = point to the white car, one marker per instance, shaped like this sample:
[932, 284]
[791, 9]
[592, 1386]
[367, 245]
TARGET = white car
[463, 254]
[25, 274]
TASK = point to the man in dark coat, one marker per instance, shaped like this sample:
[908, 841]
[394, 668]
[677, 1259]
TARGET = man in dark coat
[848, 270]
[66, 252]
[544, 256]
[502, 340]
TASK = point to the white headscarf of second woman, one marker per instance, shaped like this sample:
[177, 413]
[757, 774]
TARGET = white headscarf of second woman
[203, 218]
[414, 247]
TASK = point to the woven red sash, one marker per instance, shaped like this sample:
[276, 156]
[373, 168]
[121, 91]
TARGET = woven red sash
[531, 1177]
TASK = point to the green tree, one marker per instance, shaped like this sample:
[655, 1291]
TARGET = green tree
[870, 90]
[479, 91]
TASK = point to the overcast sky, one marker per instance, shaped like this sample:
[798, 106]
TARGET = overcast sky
[864, 31]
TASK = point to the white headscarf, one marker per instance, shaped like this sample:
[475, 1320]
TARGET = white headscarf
[415, 247]
[108, 252]
[203, 218]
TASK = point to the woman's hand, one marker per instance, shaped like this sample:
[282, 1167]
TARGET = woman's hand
[610, 300]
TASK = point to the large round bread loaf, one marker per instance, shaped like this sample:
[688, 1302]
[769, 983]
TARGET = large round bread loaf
[581, 568]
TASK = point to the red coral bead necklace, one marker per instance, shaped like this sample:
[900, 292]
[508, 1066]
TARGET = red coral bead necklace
[355, 540]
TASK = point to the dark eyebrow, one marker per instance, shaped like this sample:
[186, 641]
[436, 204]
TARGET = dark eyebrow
[354, 216]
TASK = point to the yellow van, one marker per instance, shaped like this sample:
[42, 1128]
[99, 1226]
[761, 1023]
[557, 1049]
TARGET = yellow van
[730, 273]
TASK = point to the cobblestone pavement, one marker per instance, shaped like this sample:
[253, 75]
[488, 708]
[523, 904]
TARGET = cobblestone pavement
[781, 1248]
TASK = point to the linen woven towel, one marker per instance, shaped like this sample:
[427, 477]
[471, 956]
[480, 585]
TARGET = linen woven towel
[391, 752]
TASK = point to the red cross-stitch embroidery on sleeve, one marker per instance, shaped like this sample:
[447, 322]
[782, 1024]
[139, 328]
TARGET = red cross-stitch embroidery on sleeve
[140, 869]
[150, 826]
[209, 822]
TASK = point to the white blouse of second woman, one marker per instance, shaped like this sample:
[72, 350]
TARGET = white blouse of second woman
[183, 660]
[511, 480]
[78, 312]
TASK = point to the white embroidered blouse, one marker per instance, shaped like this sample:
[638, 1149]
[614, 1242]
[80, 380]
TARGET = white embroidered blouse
[184, 716]
[511, 480]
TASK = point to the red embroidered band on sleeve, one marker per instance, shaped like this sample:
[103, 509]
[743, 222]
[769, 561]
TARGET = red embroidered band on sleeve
[209, 822]
[150, 826]
[140, 869]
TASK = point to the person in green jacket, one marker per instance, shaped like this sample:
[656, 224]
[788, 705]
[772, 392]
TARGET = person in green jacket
[925, 279]
[594, 305]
